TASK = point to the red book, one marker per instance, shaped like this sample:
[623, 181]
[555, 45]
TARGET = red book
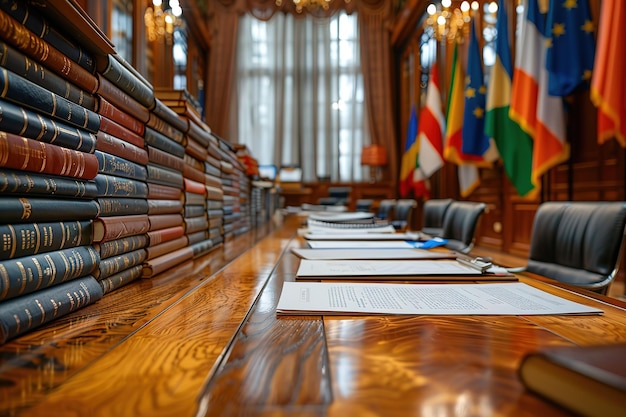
[163, 192]
[117, 227]
[118, 147]
[194, 186]
[121, 99]
[30, 155]
[156, 237]
[115, 129]
[106, 109]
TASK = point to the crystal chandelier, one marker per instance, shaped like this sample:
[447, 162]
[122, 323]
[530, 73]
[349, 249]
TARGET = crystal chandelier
[309, 4]
[162, 19]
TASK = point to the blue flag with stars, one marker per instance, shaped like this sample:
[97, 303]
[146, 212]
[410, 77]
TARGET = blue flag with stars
[571, 47]
[475, 141]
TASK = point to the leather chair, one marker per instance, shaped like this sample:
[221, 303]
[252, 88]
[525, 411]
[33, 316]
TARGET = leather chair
[403, 213]
[459, 224]
[364, 204]
[434, 211]
[385, 209]
[578, 243]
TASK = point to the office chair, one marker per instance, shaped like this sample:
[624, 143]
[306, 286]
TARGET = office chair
[459, 224]
[433, 215]
[364, 204]
[578, 243]
[385, 209]
[403, 213]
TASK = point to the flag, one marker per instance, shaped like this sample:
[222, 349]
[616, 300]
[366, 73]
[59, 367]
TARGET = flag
[514, 145]
[467, 172]
[570, 32]
[409, 160]
[431, 128]
[539, 114]
[608, 86]
[475, 141]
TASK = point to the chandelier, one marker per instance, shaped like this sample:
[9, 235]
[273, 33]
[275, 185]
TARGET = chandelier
[448, 21]
[162, 19]
[309, 4]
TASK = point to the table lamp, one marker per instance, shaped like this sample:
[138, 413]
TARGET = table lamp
[374, 156]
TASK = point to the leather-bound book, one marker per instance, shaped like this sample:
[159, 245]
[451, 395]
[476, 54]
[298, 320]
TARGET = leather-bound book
[160, 125]
[121, 206]
[23, 122]
[163, 221]
[28, 94]
[163, 192]
[117, 130]
[165, 176]
[113, 186]
[160, 141]
[169, 116]
[119, 98]
[27, 239]
[118, 147]
[117, 227]
[118, 263]
[113, 69]
[122, 245]
[153, 267]
[166, 247]
[166, 159]
[156, 237]
[28, 274]
[14, 209]
[588, 380]
[22, 314]
[164, 206]
[108, 110]
[30, 155]
[120, 279]
[18, 36]
[13, 182]
[116, 165]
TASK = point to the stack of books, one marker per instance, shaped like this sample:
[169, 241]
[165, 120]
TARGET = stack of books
[47, 167]
[215, 193]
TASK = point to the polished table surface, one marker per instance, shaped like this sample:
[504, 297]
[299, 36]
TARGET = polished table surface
[204, 340]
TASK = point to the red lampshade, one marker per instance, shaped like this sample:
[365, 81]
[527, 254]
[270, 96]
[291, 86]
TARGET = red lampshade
[374, 155]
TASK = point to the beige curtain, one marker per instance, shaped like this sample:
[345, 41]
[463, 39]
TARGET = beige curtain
[375, 22]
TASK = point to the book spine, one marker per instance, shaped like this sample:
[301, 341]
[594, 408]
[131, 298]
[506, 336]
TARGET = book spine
[21, 182]
[166, 247]
[36, 23]
[168, 160]
[196, 224]
[111, 186]
[26, 154]
[115, 146]
[194, 162]
[20, 64]
[118, 246]
[21, 91]
[158, 191]
[163, 221]
[201, 248]
[22, 314]
[199, 134]
[23, 122]
[115, 129]
[162, 142]
[108, 110]
[117, 227]
[128, 82]
[40, 210]
[162, 263]
[120, 279]
[193, 211]
[169, 116]
[118, 263]
[196, 237]
[19, 240]
[112, 206]
[36, 48]
[164, 206]
[165, 128]
[120, 99]
[194, 199]
[164, 176]
[24, 275]
[196, 150]
[115, 165]
[156, 237]
[194, 186]
[193, 174]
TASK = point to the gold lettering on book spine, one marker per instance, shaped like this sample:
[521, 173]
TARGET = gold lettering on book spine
[27, 209]
[42, 310]
[4, 279]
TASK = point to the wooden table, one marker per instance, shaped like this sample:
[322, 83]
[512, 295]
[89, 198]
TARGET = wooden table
[204, 339]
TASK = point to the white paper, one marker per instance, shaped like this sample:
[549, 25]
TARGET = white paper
[360, 234]
[423, 299]
[378, 268]
[369, 253]
[361, 244]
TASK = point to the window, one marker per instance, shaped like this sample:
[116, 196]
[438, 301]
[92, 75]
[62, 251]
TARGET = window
[299, 94]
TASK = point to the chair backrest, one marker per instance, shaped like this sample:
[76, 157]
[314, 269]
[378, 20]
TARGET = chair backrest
[459, 224]
[364, 204]
[578, 243]
[434, 212]
[403, 213]
[386, 208]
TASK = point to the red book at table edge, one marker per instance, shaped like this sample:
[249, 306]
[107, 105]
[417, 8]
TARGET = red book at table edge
[589, 380]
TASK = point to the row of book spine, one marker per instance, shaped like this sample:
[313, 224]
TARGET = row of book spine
[103, 179]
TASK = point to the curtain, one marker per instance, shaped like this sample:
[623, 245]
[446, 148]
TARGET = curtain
[299, 94]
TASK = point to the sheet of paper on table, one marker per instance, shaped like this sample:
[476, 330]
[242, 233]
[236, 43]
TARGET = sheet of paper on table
[306, 298]
[369, 253]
